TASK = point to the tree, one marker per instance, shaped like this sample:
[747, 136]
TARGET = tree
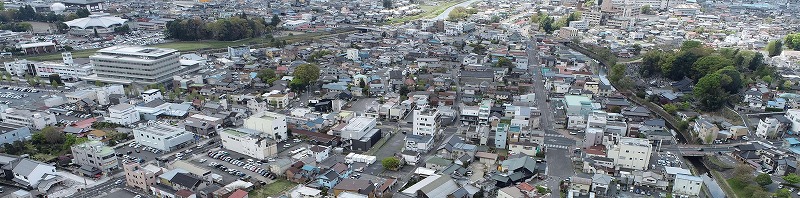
[305, 74]
[55, 79]
[767, 79]
[387, 4]
[122, 29]
[690, 44]
[546, 24]
[763, 179]
[743, 173]
[37, 80]
[709, 92]
[617, 72]
[792, 41]
[783, 193]
[637, 48]
[83, 13]
[670, 108]
[51, 135]
[792, 178]
[30, 80]
[504, 62]
[775, 48]
[267, 76]
[652, 62]
[390, 163]
[681, 64]
[276, 19]
[756, 62]
[645, 9]
[708, 64]
[458, 13]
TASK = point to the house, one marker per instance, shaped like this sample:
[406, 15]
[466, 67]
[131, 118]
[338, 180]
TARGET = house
[521, 163]
[358, 186]
[600, 183]
[320, 153]
[436, 186]
[32, 174]
[510, 192]
[418, 143]
[437, 163]
[705, 130]
[580, 184]
[454, 148]
[487, 159]
[332, 176]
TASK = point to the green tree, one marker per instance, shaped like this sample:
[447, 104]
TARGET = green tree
[267, 75]
[763, 179]
[756, 62]
[793, 41]
[617, 72]
[387, 4]
[767, 79]
[51, 135]
[791, 178]
[709, 92]
[691, 44]
[645, 9]
[775, 48]
[709, 64]
[504, 62]
[783, 193]
[83, 13]
[681, 64]
[546, 24]
[458, 13]
[670, 108]
[276, 19]
[390, 163]
[652, 62]
[736, 79]
[305, 74]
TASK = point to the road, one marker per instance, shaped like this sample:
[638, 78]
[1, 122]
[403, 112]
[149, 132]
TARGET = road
[101, 188]
[558, 148]
[446, 13]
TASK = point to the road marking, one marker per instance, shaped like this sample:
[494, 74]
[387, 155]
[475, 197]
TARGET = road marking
[556, 146]
[554, 135]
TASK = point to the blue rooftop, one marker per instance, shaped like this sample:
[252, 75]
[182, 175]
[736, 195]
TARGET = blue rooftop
[792, 141]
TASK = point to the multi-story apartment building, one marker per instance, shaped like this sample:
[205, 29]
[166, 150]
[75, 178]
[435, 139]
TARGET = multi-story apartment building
[123, 114]
[95, 154]
[162, 137]
[34, 119]
[632, 153]
[249, 142]
[501, 136]
[127, 64]
[270, 123]
[426, 122]
[141, 177]
[484, 112]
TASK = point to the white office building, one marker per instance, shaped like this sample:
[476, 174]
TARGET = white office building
[128, 64]
[249, 142]
[20, 68]
[632, 153]
[123, 114]
[162, 136]
[687, 185]
[426, 122]
[67, 70]
[33, 119]
[270, 123]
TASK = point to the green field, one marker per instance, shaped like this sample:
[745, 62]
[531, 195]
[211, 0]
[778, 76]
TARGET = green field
[274, 189]
[428, 11]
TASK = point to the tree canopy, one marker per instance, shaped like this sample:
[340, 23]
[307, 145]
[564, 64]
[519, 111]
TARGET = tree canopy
[792, 178]
[83, 13]
[775, 48]
[305, 74]
[709, 64]
[390, 163]
[793, 41]
[709, 92]
[228, 29]
[504, 62]
[267, 75]
[763, 179]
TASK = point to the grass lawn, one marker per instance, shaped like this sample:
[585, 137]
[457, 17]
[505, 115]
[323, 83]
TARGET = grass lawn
[273, 190]
[737, 186]
[428, 11]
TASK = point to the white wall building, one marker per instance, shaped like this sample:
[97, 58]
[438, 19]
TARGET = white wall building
[162, 137]
[20, 68]
[794, 116]
[352, 54]
[123, 114]
[151, 94]
[687, 185]
[632, 153]
[128, 64]
[95, 154]
[426, 122]
[67, 69]
[249, 142]
[32, 119]
[270, 123]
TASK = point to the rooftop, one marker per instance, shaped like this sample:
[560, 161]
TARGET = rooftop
[136, 51]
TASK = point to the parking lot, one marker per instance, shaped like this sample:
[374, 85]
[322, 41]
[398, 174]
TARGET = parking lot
[21, 96]
[226, 162]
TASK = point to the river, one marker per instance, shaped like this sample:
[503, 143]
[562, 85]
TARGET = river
[444, 14]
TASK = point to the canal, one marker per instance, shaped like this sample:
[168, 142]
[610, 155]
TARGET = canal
[708, 179]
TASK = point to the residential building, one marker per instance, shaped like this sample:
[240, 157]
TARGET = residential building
[794, 116]
[249, 142]
[426, 122]
[601, 183]
[501, 136]
[12, 132]
[320, 153]
[578, 105]
[279, 101]
[706, 130]
[30, 118]
[140, 177]
[358, 186]
[510, 192]
[128, 64]
[523, 147]
[580, 184]
[768, 128]
[418, 143]
[687, 185]
[95, 154]
[203, 125]
[124, 114]
[32, 174]
[632, 153]
[162, 136]
[485, 111]
[360, 133]
[151, 94]
[270, 123]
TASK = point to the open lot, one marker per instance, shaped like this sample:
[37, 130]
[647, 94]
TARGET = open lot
[273, 189]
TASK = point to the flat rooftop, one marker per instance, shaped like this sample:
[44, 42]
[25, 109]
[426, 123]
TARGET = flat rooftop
[136, 51]
[359, 123]
[6, 127]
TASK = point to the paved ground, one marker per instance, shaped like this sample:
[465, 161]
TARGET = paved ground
[123, 193]
[102, 188]
[392, 146]
[228, 165]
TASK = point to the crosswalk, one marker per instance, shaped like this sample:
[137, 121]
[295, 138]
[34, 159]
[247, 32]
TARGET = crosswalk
[556, 146]
[554, 135]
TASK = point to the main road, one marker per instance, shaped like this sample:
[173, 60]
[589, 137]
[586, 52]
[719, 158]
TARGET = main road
[446, 13]
[558, 150]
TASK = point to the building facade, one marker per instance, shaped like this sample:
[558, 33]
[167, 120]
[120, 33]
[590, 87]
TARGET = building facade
[248, 142]
[162, 137]
[426, 122]
[34, 119]
[632, 153]
[270, 123]
[127, 64]
[123, 114]
[141, 177]
[12, 132]
[95, 154]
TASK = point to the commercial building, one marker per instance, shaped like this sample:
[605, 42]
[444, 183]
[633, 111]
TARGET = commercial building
[578, 105]
[631, 153]
[141, 177]
[162, 136]
[95, 154]
[270, 123]
[33, 119]
[20, 68]
[360, 133]
[426, 122]
[66, 70]
[12, 132]
[102, 23]
[249, 142]
[128, 64]
[123, 114]
[687, 185]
